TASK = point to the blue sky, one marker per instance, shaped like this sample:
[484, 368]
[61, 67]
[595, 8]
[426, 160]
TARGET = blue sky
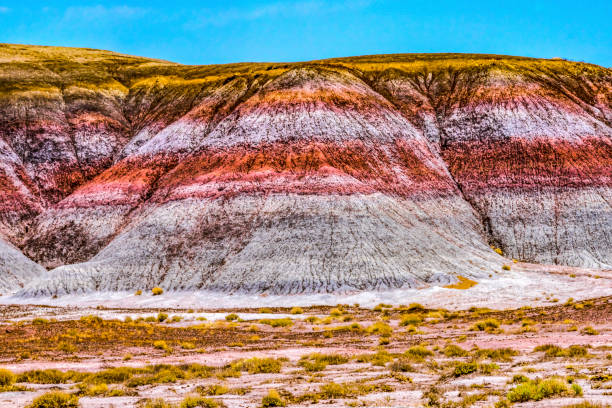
[207, 32]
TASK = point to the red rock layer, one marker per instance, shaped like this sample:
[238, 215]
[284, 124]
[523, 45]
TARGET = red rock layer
[531, 164]
[304, 168]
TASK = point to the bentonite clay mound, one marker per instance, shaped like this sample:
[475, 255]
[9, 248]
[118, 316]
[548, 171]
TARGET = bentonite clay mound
[120, 172]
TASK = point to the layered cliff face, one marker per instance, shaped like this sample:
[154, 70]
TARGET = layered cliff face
[351, 174]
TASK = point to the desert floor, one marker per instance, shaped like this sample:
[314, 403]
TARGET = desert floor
[345, 355]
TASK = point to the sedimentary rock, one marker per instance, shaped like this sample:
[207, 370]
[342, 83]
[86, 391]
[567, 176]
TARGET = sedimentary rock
[348, 174]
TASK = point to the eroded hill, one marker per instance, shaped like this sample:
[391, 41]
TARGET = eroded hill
[354, 173]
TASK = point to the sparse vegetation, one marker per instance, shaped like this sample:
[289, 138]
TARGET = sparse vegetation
[257, 365]
[536, 390]
[286, 322]
[318, 362]
[273, 399]
[486, 325]
[432, 362]
[156, 291]
[55, 399]
[296, 310]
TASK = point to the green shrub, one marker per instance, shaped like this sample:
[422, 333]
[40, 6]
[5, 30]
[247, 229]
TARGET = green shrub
[501, 354]
[231, 317]
[464, 369]
[55, 399]
[577, 390]
[273, 399]
[452, 350]
[536, 390]
[161, 317]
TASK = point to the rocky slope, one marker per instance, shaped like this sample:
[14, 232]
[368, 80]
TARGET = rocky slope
[119, 172]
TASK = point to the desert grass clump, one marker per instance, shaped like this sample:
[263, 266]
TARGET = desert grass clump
[587, 404]
[334, 390]
[156, 291]
[536, 390]
[7, 378]
[272, 399]
[380, 358]
[380, 328]
[157, 403]
[418, 352]
[66, 347]
[488, 325]
[162, 345]
[411, 319]
[286, 322]
[138, 292]
[49, 376]
[186, 345]
[162, 317]
[192, 401]
[258, 365]
[113, 375]
[500, 354]
[231, 317]
[212, 389]
[402, 365]
[552, 350]
[55, 399]
[296, 310]
[465, 368]
[97, 390]
[519, 378]
[471, 367]
[453, 350]
[589, 331]
[319, 362]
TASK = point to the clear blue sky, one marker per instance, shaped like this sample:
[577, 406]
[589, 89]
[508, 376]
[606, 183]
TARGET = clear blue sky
[206, 32]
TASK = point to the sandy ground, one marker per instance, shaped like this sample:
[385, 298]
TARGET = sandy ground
[528, 295]
[550, 327]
